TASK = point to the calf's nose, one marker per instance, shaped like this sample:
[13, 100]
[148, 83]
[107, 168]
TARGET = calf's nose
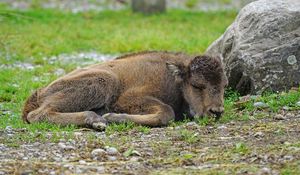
[217, 111]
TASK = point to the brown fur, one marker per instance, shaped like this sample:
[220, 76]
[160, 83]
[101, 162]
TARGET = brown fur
[148, 88]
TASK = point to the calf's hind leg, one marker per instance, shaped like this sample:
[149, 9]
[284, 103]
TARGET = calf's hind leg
[148, 111]
[71, 100]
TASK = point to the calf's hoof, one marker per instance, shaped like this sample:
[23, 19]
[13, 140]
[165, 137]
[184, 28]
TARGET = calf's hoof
[95, 121]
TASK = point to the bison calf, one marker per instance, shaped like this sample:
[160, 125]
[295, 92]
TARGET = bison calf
[148, 88]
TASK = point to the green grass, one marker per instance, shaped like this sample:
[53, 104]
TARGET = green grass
[44, 32]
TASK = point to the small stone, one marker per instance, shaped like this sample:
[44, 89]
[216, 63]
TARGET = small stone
[10, 135]
[258, 134]
[288, 158]
[192, 124]
[26, 172]
[289, 115]
[100, 169]
[111, 151]
[59, 72]
[265, 171]
[82, 162]
[111, 158]
[98, 152]
[8, 129]
[135, 159]
[260, 105]
[78, 134]
[222, 127]
[78, 170]
[292, 59]
[279, 117]
[69, 148]
[285, 108]
[61, 145]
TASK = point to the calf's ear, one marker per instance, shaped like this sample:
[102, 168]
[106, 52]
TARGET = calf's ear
[178, 70]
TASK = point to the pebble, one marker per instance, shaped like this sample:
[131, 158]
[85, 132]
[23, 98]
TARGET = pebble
[98, 152]
[265, 171]
[135, 159]
[192, 124]
[289, 115]
[82, 162]
[111, 158]
[259, 134]
[260, 105]
[59, 72]
[222, 127]
[285, 108]
[279, 117]
[61, 145]
[288, 158]
[78, 134]
[111, 151]
[100, 169]
[8, 129]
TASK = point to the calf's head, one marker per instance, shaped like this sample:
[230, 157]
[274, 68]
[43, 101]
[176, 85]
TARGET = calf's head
[203, 82]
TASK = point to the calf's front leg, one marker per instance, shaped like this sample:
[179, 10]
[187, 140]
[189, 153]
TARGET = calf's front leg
[147, 111]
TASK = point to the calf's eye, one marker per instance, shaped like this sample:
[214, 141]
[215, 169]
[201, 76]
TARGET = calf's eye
[199, 87]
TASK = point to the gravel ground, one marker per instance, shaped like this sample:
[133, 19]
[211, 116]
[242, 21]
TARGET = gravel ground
[264, 146]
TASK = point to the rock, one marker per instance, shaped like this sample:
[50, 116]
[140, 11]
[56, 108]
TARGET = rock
[98, 153]
[111, 158]
[63, 146]
[82, 162]
[260, 105]
[136, 159]
[59, 72]
[77, 135]
[26, 172]
[298, 103]
[288, 158]
[261, 48]
[289, 115]
[258, 134]
[265, 171]
[221, 127]
[285, 108]
[279, 117]
[9, 129]
[100, 169]
[192, 125]
[111, 151]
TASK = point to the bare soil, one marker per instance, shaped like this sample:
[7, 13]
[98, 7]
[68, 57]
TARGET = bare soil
[259, 146]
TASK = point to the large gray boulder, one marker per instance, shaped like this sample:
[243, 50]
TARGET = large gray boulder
[261, 48]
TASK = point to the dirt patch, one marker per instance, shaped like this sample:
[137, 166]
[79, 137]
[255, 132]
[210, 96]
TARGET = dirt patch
[267, 146]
